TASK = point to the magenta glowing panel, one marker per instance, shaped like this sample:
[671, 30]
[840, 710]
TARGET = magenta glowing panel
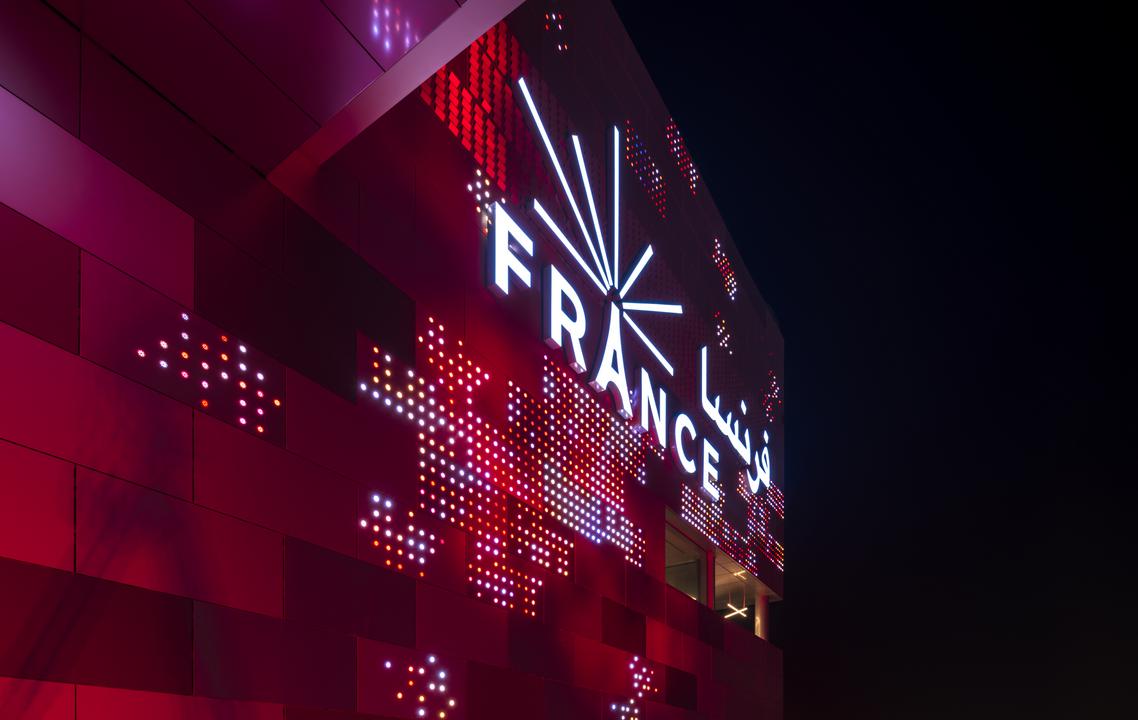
[217, 373]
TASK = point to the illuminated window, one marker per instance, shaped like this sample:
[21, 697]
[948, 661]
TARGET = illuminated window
[685, 564]
[739, 597]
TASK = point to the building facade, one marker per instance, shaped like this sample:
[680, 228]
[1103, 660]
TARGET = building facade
[372, 359]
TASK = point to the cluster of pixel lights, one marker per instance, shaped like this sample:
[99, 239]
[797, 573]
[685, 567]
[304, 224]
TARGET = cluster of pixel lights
[644, 687]
[555, 26]
[219, 375]
[722, 332]
[723, 265]
[480, 189]
[423, 687]
[645, 169]
[473, 97]
[747, 545]
[584, 455]
[391, 27]
[772, 398]
[682, 157]
[557, 464]
[405, 544]
[468, 473]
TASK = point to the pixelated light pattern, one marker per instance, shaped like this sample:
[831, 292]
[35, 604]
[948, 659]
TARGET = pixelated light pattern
[722, 332]
[643, 687]
[584, 455]
[772, 398]
[681, 155]
[392, 28]
[405, 543]
[219, 375]
[645, 169]
[424, 687]
[473, 96]
[555, 28]
[756, 541]
[558, 463]
[484, 198]
[723, 265]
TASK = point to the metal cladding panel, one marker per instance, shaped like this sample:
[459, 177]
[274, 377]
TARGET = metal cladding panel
[282, 445]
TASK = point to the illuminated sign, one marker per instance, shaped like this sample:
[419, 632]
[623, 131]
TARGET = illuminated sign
[566, 325]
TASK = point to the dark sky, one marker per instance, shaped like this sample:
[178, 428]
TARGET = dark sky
[929, 194]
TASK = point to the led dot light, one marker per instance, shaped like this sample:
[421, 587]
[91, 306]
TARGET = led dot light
[404, 542]
[645, 169]
[557, 464]
[756, 540]
[423, 687]
[391, 27]
[196, 363]
[555, 27]
[772, 398]
[680, 152]
[643, 687]
[722, 333]
[723, 265]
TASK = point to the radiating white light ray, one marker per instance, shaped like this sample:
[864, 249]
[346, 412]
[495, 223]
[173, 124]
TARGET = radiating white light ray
[738, 611]
[603, 264]
[553, 158]
[654, 307]
[615, 206]
[644, 258]
[648, 343]
[568, 245]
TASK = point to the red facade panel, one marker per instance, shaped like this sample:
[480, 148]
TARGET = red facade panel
[56, 180]
[37, 507]
[358, 442]
[245, 656]
[100, 703]
[321, 66]
[446, 622]
[133, 535]
[191, 63]
[32, 699]
[73, 628]
[329, 590]
[453, 523]
[63, 405]
[240, 475]
[39, 61]
[39, 281]
[144, 134]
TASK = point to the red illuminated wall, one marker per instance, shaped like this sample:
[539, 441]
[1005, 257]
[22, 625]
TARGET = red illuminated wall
[207, 508]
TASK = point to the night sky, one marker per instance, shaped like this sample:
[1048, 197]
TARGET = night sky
[929, 195]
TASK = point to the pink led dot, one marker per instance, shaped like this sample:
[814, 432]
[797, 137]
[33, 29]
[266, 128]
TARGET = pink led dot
[241, 420]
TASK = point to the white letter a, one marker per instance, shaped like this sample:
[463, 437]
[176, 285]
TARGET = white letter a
[609, 367]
